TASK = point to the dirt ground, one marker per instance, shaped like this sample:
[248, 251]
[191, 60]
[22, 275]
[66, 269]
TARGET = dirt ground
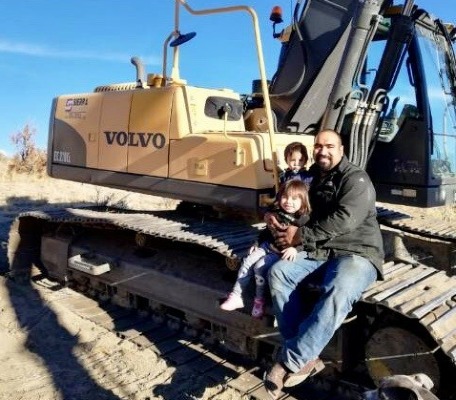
[49, 352]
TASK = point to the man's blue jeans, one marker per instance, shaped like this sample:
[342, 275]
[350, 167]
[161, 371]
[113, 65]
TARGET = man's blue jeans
[305, 336]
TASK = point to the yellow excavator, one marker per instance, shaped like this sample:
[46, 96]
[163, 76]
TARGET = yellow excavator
[380, 73]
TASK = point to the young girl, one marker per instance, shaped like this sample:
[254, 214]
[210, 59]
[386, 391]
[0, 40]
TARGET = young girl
[296, 157]
[292, 207]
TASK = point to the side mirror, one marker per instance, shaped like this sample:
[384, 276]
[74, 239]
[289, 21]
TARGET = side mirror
[182, 38]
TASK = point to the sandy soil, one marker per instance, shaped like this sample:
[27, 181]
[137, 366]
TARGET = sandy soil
[49, 352]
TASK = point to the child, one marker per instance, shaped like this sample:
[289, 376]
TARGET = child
[296, 157]
[292, 207]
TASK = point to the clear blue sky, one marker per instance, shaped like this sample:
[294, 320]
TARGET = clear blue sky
[54, 47]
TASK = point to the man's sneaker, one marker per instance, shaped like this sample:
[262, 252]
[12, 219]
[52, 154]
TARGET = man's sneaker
[258, 308]
[273, 380]
[233, 302]
[310, 369]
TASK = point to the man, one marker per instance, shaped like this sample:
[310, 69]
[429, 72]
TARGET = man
[343, 242]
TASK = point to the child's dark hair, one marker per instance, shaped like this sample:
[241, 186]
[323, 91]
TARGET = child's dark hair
[296, 146]
[298, 188]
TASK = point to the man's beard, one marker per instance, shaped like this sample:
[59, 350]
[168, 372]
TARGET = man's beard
[326, 165]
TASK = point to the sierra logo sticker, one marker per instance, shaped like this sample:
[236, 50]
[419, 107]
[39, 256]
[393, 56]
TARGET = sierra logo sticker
[135, 139]
[77, 102]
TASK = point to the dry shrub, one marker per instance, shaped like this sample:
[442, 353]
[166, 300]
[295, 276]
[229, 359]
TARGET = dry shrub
[28, 159]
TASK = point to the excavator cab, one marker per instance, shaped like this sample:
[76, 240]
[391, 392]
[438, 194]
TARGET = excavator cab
[414, 156]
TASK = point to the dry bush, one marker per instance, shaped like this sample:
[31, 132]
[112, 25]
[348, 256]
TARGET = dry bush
[28, 159]
[106, 199]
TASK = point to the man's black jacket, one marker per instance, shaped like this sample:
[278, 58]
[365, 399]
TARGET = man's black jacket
[344, 218]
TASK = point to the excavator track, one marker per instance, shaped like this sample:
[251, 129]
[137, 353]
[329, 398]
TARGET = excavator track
[192, 354]
[411, 291]
[232, 239]
[415, 237]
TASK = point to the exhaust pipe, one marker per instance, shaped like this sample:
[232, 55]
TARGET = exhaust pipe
[140, 73]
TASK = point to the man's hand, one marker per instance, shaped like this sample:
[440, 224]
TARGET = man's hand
[272, 223]
[289, 237]
[285, 236]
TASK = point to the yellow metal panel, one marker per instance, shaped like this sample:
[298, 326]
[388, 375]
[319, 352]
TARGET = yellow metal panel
[188, 112]
[149, 132]
[196, 101]
[113, 132]
[236, 160]
[180, 118]
[75, 130]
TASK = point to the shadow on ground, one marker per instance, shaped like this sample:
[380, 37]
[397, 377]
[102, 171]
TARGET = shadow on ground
[35, 317]
[194, 372]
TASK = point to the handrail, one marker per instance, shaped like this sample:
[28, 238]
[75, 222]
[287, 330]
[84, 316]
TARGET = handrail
[262, 68]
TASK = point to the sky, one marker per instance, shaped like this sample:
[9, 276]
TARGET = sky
[53, 47]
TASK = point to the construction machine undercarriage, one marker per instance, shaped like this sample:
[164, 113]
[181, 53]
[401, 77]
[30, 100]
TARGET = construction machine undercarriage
[177, 267]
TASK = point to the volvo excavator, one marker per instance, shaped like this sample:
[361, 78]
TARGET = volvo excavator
[380, 73]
